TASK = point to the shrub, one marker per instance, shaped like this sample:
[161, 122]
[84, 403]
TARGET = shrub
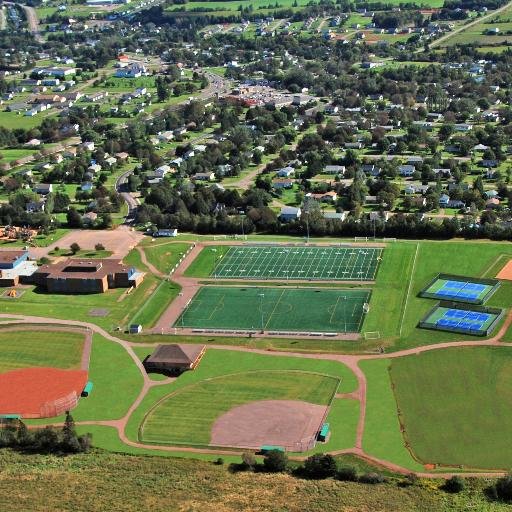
[219, 461]
[99, 247]
[275, 461]
[372, 478]
[320, 466]
[503, 488]
[74, 248]
[347, 474]
[454, 484]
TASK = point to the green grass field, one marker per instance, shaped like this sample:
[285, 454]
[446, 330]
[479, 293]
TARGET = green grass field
[407, 267]
[455, 405]
[286, 309]
[382, 436]
[32, 347]
[281, 262]
[227, 365]
[164, 256]
[191, 411]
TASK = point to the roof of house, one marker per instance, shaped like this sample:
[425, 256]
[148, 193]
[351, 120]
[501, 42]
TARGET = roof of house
[83, 268]
[176, 354]
[10, 256]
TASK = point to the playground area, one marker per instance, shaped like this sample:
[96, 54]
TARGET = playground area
[299, 263]
[276, 309]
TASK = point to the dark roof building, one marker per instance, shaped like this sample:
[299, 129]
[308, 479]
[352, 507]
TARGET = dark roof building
[174, 358]
[86, 276]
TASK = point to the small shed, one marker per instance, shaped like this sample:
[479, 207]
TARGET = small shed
[174, 359]
[135, 328]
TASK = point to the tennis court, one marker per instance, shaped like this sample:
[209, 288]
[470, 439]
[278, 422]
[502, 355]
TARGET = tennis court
[317, 263]
[276, 309]
[460, 289]
[469, 321]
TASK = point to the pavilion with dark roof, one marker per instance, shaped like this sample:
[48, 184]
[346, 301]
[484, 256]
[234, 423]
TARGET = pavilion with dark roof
[174, 359]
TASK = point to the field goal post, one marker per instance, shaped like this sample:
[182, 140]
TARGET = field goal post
[372, 335]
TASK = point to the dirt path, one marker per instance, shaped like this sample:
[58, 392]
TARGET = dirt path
[351, 361]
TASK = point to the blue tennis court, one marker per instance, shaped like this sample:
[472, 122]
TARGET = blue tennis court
[459, 290]
[460, 320]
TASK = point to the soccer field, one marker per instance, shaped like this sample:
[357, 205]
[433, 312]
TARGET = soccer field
[284, 309]
[318, 263]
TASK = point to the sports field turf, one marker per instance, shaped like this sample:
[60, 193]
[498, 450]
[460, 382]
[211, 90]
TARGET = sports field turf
[455, 405]
[319, 263]
[285, 309]
[22, 349]
[187, 416]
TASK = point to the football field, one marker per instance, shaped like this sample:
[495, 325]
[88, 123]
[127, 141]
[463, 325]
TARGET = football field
[309, 263]
[279, 309]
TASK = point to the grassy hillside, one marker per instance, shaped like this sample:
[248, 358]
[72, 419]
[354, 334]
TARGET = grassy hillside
[106, 482]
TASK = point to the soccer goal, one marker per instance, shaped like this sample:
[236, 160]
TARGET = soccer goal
[366, 307]
[372, 335]
[360, 239]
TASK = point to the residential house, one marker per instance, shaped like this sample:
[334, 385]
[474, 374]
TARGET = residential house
[327, 197]
[334, 169]
[406, 170]
[285, 172]
[379, 216]
[204, 176]
[289, 213]
[341, 216]
[43, 189]
[282, 183]
[492, 203]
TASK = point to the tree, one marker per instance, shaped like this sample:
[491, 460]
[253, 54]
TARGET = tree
[74, 218]
[248, 460]
[275, 461]
[163, 90]
[320, 466]
[347, 473]
[74, 247]
[503, 488]
[99, 247]
[454, 484]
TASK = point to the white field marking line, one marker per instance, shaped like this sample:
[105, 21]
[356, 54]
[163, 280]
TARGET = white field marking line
[275, 306]
[409, 289]
[334, 309]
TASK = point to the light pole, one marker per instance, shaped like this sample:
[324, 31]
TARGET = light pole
[262, 295]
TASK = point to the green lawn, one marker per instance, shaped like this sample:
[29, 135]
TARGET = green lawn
[152, 309]
[164, 256]
[382, 436]
[473, 259]
[121, 306]
[192, 412]
[206, 261]
[282, 309]
[455, 405]
[222, 363]
[30, 347]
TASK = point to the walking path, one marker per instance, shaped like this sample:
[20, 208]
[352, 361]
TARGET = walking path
[351, 361]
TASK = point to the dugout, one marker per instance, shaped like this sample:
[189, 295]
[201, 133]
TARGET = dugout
[174, 359]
